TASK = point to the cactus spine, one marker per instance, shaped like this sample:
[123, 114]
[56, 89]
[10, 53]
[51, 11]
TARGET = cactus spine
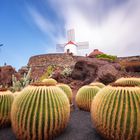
[40, 112]
[115, 112]
[129, 81]
[67, 91]
[6, 100]
[85, 96]
[98, 84]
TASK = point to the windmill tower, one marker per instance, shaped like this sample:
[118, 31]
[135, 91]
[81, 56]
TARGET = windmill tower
[71, 46]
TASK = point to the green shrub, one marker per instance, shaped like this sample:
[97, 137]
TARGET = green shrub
[66, 72]
[40, 112]
[106, 56]
[48, 73]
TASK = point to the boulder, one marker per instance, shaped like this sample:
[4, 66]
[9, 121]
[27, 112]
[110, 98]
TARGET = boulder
[6, 73]
[85, 71]
[93, 69]
[107, 74]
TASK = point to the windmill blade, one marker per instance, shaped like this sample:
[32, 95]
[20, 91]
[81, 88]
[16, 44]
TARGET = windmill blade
[60, 47]
[82, 45]
[71, 35]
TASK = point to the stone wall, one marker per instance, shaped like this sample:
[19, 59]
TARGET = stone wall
[39, 63]
[131, 64]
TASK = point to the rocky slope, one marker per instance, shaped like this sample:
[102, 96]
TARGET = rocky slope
[85, 69]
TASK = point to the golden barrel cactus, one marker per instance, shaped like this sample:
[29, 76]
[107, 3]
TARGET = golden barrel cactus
[49, 81]
[40, 112]
[85, 96]
[115, 112]
[6, 100]
[98, 84]
[129, 81]
[67, 90]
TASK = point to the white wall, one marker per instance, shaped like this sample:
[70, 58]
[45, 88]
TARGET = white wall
[72, 48]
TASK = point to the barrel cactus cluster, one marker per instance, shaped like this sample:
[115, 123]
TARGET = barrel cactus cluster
[41, 111]
[115, 112]
[129, 81]
[98, 84]
[6, 100]
[85, 96]
[67, 90]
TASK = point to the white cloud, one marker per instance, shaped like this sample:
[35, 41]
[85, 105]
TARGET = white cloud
[43, 24]
[113, 29]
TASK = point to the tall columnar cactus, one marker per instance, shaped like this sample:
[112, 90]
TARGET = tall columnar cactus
[129, 81]
[40, 112]
[6, 100]
[49, 81]
[115, 112]
[98, 84]
[85, 96]
[67, 90]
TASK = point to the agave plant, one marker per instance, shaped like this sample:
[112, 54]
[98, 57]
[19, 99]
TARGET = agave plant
[18, 85]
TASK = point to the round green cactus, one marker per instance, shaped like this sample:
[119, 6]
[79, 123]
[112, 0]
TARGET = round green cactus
[67, 90]
[98, 84]
[129, 81]
[49, 81]
[115, 112]
[85, 96]
[6, 100]
[40, 112]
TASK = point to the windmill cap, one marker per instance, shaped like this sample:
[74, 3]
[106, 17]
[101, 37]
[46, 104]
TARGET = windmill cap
[71, 43]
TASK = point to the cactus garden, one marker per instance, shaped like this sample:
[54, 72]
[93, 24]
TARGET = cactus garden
[69, 69]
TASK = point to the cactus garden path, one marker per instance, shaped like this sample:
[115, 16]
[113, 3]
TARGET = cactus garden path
[79, 128]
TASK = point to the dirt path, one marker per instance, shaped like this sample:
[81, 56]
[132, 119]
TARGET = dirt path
[79, 128]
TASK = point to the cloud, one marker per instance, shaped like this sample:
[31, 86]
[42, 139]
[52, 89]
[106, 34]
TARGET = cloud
[41, 22]
[111, 26]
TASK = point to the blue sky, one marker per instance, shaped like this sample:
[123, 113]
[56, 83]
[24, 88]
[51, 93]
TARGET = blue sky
[32, 27]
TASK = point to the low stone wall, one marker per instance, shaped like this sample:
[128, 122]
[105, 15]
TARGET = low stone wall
[131, 64]
[39, 63]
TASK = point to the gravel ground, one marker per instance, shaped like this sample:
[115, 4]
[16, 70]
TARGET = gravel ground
[79, 128]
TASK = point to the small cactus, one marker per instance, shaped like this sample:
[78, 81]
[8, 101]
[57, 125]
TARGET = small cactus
[129, 81]
[50, 81]
[98, 84]
[67, 91]
[115, 112]
[85, 96]
[40, 112]
[6, 100]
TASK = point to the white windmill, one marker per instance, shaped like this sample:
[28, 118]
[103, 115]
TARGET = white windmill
[71, 46]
